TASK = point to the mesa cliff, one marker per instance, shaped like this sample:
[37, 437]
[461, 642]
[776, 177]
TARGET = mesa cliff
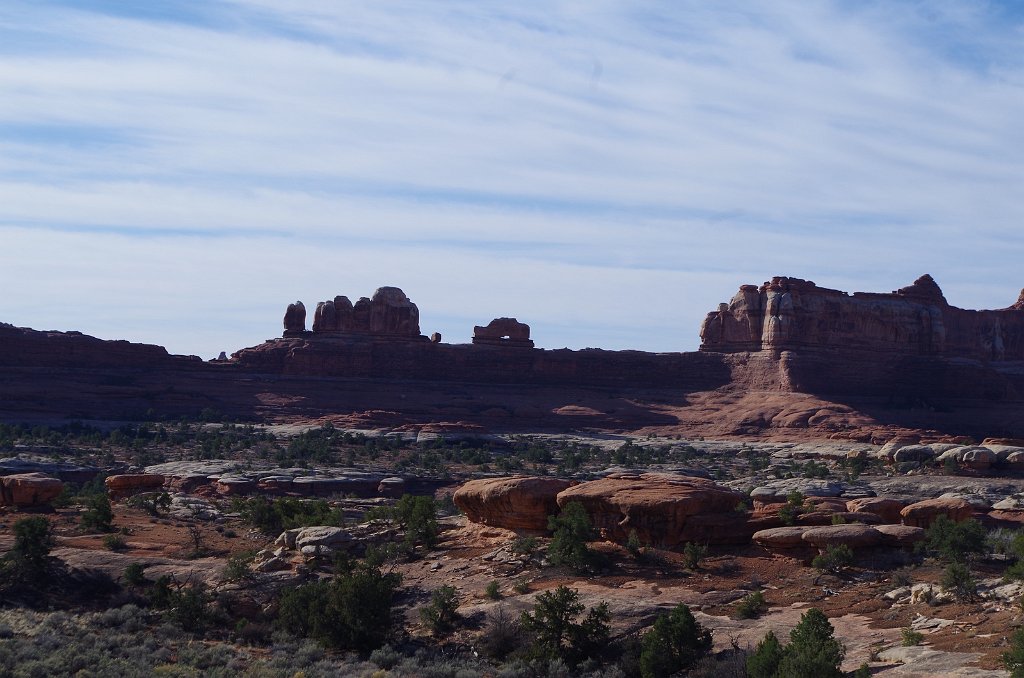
[783, 356]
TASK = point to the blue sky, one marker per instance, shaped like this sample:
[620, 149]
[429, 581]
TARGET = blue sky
[178, 172]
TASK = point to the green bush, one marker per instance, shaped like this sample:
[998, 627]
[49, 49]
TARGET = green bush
[115, 542]
[493, 590]
[764, 661]
[555, 631]
[524, 545]
[955, 541]
[909, 637]
[813, 649]
[441, 614]
[958, 580]
[98, 517]
[28, 561]
[634, 545]
[751, 606]
[238, 566]
[150, 502]
[1013, 659]
[571, 531]
[415, 515]
[274, 516]
[351, 612]
[693, 553]
[135, 574]
[834, 560]
[675, 643]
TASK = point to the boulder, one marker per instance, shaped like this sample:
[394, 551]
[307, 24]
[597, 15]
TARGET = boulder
[128, 484]
[924, 513]
[517, 503]
[886, 509]
[777, 490]
[978, 458]
[325, 538]
[393, 487]
[853, 535]
[656, 505]
[1014, 461]
[780, 537]
[918, 453]
[901, 536]
[236, 485]
[29, 489]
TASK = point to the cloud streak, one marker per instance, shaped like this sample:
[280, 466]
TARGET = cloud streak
[606, 171]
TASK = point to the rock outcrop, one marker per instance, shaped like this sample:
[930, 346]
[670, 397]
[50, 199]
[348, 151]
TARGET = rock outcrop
[503, 332]
[518, 503]
[295, 320]
[29, 489]
[389, 313]
[790, 314]
[924, 513]
[656, 505]
[126, 485]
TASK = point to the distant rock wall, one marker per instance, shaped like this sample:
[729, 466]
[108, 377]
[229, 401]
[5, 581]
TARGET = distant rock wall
[793, 314]
[389, 313]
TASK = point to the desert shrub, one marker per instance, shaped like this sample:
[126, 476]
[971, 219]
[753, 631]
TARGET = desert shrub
[764, 661]
[675, 643]
[114, 542]
[493, 590]
[237, 568]
[556, 633]
[386, 657]
[524, 545]
[353, 611]
[150, 502]
[274, 516]
[441, 614]
[634, 546]
[955, 541]
[693, 553]
[751, 606]
[813, 649]
[794, 505]
[522, 586]
[135, 574]
[1013, 659]
[958, 580]
[98, 517]
[28, 561]
[502, 634]
[834, 560]
[571, 531]
[909, 637]
[188, 608]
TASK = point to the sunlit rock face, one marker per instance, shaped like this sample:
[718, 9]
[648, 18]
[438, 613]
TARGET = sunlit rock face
[791, 314]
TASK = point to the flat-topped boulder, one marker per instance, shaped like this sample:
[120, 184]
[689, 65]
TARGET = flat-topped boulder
[924, 513]
[887, 509]
[29, 489]
[128, 484]
[518, 503]
[656, 505]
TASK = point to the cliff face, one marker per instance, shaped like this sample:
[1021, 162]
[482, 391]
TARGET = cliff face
[794, 314]
[22, 347]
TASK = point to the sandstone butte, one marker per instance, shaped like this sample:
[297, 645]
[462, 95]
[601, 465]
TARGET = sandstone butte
[786, 358]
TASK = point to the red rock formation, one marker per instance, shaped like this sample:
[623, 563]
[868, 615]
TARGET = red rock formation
[518, 503]
[886, 509]
[503, 332]
[29, 489]
[389, 313]
[126, 485]
[924, 513]
[789, 313]
[295, 320]
[656, 505]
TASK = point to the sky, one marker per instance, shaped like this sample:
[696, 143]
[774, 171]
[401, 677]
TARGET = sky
[176, 172]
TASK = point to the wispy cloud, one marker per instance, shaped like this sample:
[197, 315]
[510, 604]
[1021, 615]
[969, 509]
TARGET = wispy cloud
[607, 171]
